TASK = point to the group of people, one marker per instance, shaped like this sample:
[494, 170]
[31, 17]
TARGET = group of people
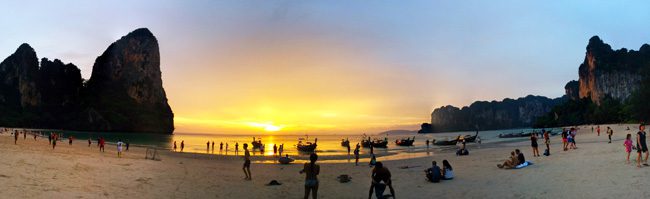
[641, 146]
[516, 160]
[435, 173]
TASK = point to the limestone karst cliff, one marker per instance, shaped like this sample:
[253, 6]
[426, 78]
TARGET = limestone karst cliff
[124, 93]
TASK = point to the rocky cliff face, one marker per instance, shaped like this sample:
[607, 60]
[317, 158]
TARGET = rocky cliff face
[126, 87]
[606, 72]
[508, 113]
[124, 94]
[572, 90]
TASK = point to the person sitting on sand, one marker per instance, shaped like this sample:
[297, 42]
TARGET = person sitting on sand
[380, 174]
[520, 156]
[512, 162]
[628, 146]
[641, 146]
[311, 171]
[247, 163]
[434, 174]
[285, 160]
[447, 170]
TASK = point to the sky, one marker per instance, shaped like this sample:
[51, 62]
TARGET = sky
[295, 67]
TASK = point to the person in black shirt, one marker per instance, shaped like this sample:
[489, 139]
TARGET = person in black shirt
[434, 173]
[520, 156]
[641, 146]
[379, 174]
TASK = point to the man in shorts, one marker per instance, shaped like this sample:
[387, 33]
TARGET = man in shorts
[247, 162]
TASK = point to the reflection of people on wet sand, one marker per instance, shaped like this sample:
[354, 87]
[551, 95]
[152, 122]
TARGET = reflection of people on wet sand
[247, 162]
[311, 171]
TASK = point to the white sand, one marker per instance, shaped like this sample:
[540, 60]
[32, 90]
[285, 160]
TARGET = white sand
[596, 169]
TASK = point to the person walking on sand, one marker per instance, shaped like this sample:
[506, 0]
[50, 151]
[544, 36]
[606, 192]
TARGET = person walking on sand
[311, 171]
[610, 132]
[119, 148]
[533, 143]
[247, 163]
[641, 146]
[182, 145]
[174, 145]
[53, 140]
[356, 155]
[102, 142]
[628, 146]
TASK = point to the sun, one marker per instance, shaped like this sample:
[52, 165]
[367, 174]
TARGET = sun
[266, 126]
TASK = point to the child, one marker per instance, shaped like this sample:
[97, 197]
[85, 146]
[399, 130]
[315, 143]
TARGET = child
[628, 146]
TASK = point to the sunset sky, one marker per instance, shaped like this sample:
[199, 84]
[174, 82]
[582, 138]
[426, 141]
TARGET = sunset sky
[333, 66]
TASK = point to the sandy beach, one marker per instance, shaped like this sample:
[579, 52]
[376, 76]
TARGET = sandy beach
[31, 169]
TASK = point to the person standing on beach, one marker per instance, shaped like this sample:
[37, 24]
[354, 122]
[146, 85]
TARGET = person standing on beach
[24, 135]
[174, 145]
[212, 146]
[348, 145]
[247, 163]
[53, 140]
[372, 149]
[574, 133]
[237, 147]
[127, 145]
[628, 146]
[610, 132]
[221, 146]
[641, 146]
[70, 140]
[311, 171]
[427, 143]
[119, 148]
[49, 139]
[275, 149]
[101, 144]
[207, 145]
[356, 155]
[89, 142]
[16, 137]
[182, 145]
[565, 140]
[547, 141]
[598, 130]
[533, 143]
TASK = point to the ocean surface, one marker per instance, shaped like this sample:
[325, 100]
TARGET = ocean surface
[327, 144]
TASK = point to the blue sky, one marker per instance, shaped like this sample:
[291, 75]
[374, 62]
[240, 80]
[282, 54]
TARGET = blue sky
[411, 56]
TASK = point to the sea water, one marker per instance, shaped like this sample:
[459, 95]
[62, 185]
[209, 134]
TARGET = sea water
[327, 144]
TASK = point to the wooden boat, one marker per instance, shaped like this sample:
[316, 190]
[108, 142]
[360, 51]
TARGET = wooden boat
[514, 135]
[405, 142]
[445, 143]
[379, 143]
[307, 146]
[469, 138]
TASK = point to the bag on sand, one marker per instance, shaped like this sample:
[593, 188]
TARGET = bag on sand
[546, 153]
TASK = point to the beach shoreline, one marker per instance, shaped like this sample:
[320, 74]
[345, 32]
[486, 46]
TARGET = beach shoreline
[31, 169]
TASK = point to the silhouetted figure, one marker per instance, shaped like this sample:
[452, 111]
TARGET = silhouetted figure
[275, 149]
[174, 145]
[236, 148]
[221, 146]
[381, 178]
[89, 142]
[182, 145]
[102, 142]
[311, 171]
[247, 162]
[127, 145]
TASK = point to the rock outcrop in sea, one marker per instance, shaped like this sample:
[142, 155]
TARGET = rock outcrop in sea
[124, 93]
[482, 115]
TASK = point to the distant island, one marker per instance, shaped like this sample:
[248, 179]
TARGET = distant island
[123, 94]
[613, 87]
